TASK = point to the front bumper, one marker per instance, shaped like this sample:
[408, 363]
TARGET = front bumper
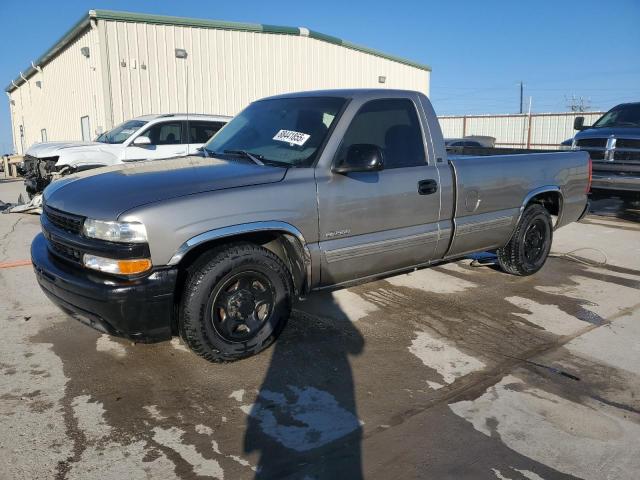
[611, 181]
[139, 309]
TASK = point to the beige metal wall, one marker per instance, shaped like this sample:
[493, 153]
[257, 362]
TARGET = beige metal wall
[132, 70]
[226, 69]
[70, 88]
[542, 130]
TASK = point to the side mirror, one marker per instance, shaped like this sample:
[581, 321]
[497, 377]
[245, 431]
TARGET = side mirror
[578, 123]
[361, 157]
[141, 141]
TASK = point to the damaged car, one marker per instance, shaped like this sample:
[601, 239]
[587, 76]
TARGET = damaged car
[149, 137]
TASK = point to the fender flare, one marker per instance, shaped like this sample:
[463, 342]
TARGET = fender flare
[252, 227]
[533, 193]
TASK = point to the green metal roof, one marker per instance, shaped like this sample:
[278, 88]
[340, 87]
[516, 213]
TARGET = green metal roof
[84, 23]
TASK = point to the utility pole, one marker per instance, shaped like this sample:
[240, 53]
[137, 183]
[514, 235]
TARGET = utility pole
[521, 96]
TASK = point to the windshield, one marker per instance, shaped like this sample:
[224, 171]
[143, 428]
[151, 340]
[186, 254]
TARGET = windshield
[286, 131]
[120, 133]
[620, 116]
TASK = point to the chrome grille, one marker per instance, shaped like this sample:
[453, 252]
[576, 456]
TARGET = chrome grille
[612, 149]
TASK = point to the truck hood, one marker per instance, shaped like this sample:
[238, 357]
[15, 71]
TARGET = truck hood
[52, 149]
[619, 132]
[106, 193]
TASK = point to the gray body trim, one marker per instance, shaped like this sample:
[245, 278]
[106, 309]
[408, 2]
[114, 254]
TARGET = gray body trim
[475, 227]
[381, 246]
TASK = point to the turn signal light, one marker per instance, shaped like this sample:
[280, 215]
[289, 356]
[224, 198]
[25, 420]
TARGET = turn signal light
[131, 267]
[117, 266]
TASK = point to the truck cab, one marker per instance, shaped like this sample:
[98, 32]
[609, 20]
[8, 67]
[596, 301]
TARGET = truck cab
[613, 143]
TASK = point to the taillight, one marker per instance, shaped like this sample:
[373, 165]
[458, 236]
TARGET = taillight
[590, 175]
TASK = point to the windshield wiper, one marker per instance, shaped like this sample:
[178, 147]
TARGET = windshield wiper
[255, 157]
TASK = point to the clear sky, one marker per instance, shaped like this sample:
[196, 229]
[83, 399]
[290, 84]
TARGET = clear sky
[479, 50]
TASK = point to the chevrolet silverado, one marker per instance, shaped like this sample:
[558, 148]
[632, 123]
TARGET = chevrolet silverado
[299, 192]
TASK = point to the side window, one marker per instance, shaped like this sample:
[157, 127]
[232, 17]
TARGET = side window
[392, 125]
[167, 133]
[201, 132]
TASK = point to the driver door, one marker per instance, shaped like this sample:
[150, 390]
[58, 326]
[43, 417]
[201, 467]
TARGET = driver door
[380, 221]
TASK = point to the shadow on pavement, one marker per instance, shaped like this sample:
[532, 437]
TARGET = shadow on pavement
[304, 421]
[615, 207]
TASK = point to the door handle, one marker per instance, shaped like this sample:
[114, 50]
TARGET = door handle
[427, 187]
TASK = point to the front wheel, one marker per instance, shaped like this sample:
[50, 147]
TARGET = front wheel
[236, 301]
[529, 247]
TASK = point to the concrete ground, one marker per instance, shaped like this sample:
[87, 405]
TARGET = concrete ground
[425, 375]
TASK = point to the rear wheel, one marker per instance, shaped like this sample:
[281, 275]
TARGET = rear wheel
[529, 247]
[236, 302]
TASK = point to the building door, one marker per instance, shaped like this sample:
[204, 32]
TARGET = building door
[86, 129]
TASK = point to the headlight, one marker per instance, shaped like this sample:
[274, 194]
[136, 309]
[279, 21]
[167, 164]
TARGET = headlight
[128, 232]
[115, 266]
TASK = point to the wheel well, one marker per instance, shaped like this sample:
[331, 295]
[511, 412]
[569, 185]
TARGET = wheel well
[285, 245]
[551, 201]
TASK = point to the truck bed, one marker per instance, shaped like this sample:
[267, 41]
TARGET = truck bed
[490, 191]
[485, 151]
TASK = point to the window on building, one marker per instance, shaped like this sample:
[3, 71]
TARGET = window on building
[43, 135]
[168, 133]
[392, 125]
[201, 132]
[86, 129]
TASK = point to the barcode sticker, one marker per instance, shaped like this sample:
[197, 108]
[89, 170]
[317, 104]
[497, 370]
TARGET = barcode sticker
[290, 136]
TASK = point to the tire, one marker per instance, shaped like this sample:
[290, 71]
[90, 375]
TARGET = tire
[236, 302]
[528, 249]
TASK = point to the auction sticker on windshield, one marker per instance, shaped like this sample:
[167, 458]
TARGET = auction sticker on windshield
[290, 136]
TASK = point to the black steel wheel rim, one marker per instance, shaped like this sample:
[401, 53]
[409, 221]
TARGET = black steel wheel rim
[535, 238]
[242, 304]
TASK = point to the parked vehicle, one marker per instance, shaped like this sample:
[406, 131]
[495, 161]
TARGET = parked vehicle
[471, 141]
[144, 138]
[460, 142]
[299, 192]
[613, 142]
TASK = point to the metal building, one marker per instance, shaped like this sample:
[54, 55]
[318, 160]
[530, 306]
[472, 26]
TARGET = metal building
[112, 66]
[538, 130]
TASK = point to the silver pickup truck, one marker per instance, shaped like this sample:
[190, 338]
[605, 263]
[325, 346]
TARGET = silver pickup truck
[299, 192]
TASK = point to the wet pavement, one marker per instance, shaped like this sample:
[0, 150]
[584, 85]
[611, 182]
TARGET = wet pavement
[424, 375]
